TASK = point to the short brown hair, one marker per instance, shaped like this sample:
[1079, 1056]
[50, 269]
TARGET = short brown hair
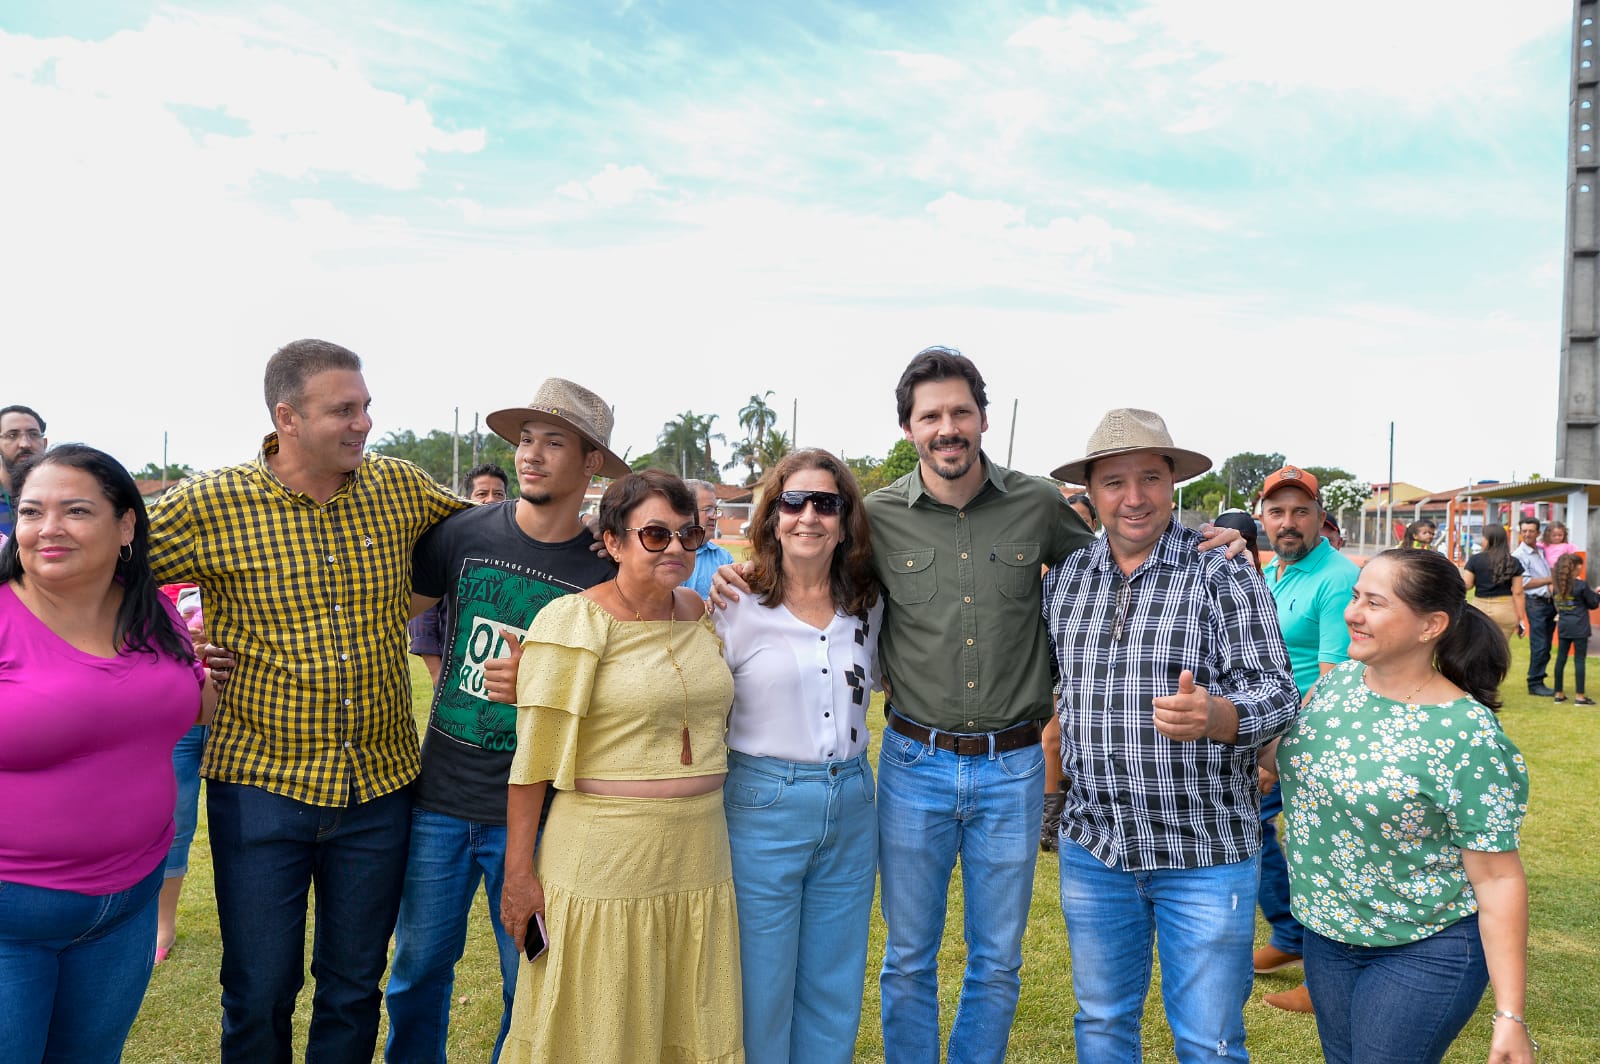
[626, 493]
[853, 586]
[293, 364]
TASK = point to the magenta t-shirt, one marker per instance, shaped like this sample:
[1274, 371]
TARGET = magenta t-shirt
[86, 784]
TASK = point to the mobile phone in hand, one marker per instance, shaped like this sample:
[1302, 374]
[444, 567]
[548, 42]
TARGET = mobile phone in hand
[535, 941]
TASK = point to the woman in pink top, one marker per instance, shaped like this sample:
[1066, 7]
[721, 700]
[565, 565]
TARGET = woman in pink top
[98, 680]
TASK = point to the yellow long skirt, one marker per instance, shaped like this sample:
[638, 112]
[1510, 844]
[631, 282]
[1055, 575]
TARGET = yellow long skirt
[643, 964]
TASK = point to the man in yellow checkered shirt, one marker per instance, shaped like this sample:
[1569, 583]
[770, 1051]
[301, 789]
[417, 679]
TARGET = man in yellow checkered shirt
[304, 559]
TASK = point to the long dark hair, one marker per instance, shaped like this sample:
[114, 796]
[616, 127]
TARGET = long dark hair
[852, 585]
[1502, 566]
[1472, 653]
[143, 624]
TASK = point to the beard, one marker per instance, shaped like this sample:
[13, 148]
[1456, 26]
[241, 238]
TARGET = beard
[947, 472]
[537, 498]
[11, 465]
[1290, 547]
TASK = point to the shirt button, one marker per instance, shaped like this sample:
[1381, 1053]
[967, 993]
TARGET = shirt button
[910, 562]
[963, 555]
[330, 559]
[969, 642]
[344, 657]
[824, 672]
[970, 684]
[347, 744]
[1019, 557]
[961, 513]
[823, 638]
[967, 599]
[347, 701]
[827, 714]
[335, 607]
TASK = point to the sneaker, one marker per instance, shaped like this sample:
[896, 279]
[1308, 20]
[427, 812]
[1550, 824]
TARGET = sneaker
[1539, 690]
[1583, 700]
[1272, 959]
[1296, 1000]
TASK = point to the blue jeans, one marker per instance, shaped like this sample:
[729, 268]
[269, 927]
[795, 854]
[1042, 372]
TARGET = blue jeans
[448, 858]
[1407, 1002]
[1273, 895]
[1202, 921]
[804, 840]
[267, 851]
[73, 970]
[186, 770]
[935, 805]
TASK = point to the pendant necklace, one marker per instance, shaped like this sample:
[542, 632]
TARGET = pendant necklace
[686, 755]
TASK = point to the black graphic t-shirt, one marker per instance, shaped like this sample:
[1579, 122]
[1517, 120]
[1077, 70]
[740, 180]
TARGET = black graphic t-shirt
[490, 576]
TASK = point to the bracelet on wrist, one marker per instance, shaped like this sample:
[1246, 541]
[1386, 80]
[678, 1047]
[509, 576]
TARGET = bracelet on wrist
[1505, 1014]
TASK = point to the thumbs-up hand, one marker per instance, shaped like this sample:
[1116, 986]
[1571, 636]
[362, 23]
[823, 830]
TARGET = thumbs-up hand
[1187, 715]
[500, 674]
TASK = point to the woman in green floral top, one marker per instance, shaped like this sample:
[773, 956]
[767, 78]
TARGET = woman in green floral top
[1403, 799]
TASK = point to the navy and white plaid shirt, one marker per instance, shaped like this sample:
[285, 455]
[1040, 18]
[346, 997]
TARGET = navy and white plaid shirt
[1136, 799]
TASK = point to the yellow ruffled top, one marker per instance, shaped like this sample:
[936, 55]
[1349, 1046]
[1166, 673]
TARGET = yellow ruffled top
[598, 698]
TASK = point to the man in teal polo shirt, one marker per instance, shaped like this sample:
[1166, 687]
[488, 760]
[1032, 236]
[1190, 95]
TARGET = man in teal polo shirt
[1311, 584]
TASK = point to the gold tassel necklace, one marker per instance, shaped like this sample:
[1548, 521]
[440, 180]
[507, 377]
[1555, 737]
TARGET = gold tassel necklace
[686, 754]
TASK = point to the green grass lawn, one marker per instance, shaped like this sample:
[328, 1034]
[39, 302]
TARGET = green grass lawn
[180, 1019]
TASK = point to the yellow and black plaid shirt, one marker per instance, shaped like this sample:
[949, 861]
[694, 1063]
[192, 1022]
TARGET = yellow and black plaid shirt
[312, 599]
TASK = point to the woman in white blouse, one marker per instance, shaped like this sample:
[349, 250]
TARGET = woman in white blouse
[799, 797]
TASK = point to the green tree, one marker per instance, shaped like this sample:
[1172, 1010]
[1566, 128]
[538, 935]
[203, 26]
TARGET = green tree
[1245, 473]
[901, 459]
[1328, 474]
[756, 418]
[684, 447]
[172, 474]
[435, 453]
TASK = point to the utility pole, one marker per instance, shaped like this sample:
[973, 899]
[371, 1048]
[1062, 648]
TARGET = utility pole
[1578, 395]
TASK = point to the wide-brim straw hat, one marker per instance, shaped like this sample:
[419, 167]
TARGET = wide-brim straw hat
[1125, 431]
[570, 406]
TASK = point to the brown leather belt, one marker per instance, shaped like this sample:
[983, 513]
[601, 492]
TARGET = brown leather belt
[1014, 738]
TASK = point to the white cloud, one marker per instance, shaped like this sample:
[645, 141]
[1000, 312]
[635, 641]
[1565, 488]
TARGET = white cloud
[927, 67]
[613, 186]
[1075, 40]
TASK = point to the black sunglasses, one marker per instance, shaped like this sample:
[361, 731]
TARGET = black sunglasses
[826, 503]
[656, 538]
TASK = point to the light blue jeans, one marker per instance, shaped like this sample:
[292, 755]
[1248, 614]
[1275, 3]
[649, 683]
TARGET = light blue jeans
[933, 806]
[448, 857]
[186, 817]
[804, 840]
[1201, 920]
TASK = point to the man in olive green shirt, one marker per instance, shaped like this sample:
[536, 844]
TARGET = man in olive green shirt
[958, 544]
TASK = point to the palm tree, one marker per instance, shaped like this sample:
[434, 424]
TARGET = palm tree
[755, 417]
[685, 442]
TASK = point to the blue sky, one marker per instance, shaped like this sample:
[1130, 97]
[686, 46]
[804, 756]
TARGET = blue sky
[1281, 228]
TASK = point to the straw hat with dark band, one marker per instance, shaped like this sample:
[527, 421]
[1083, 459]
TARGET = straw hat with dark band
[569, 406]
[1125, 431]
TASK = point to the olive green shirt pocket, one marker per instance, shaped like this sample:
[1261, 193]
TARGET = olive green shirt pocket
[912, 578]
[1016, 568]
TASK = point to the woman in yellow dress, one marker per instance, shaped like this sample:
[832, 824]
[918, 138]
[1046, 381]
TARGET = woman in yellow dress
[623, 700]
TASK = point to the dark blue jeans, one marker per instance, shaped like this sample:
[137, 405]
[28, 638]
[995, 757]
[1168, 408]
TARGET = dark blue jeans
[1541, 629]
[267, 850]
[1273, 893]
[1389, 1003]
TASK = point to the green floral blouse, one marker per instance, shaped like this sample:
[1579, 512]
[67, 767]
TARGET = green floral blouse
[1380, 798]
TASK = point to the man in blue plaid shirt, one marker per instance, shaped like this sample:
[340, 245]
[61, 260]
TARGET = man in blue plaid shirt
[1173, 674]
